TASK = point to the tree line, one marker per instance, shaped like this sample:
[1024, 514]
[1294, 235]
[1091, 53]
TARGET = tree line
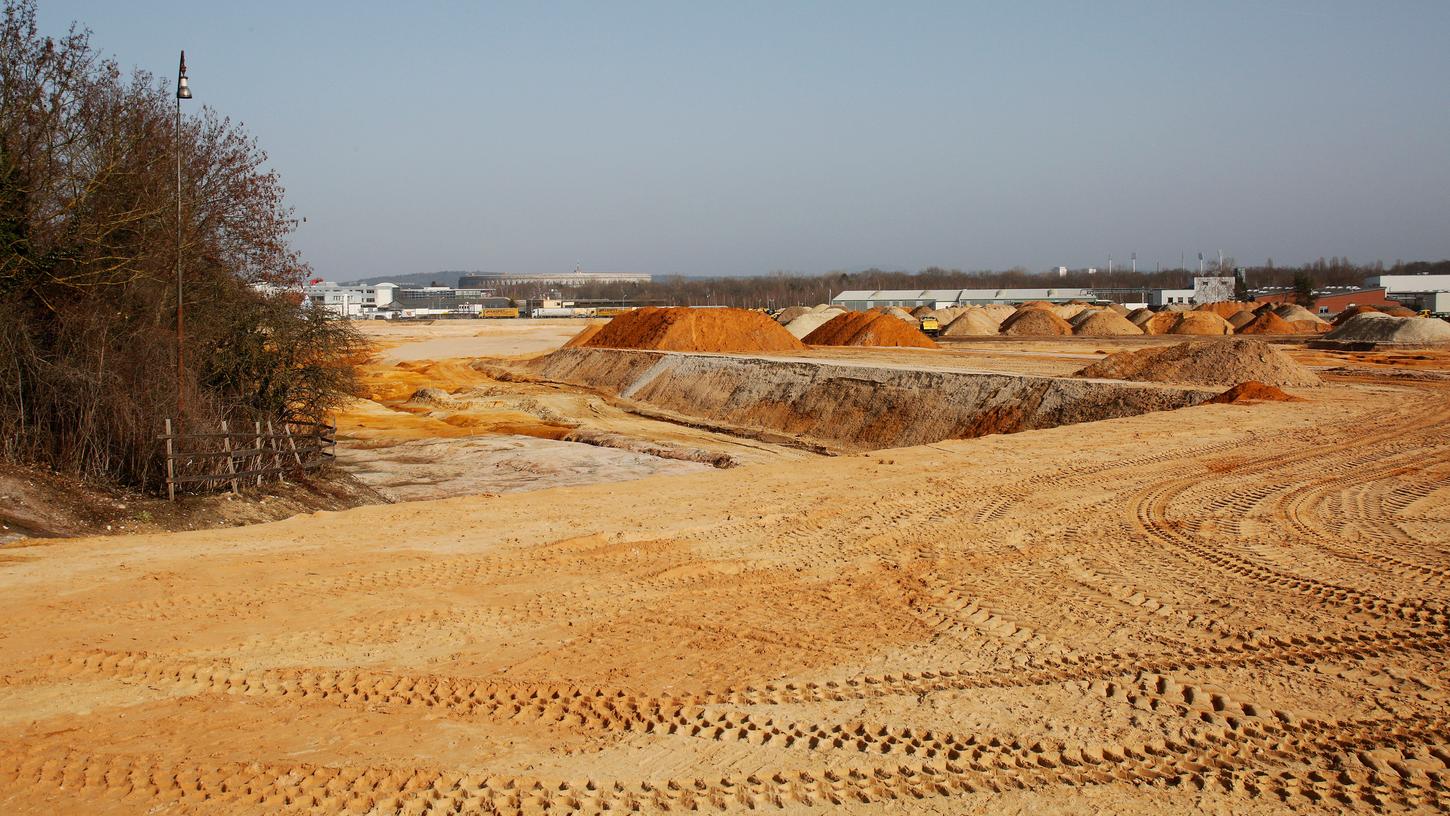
[88, 254]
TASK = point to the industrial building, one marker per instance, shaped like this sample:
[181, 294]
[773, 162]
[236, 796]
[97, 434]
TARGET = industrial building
[354, 300]
[1333, 301]
[1414, 291]
[487, 280]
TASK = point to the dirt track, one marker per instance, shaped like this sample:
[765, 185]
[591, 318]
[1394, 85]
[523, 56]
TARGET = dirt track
[1235, 609]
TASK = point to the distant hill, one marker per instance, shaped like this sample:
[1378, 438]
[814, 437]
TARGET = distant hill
[413, 280]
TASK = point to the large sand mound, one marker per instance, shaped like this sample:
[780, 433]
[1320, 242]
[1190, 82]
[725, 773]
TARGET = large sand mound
[1225, 363]
[786, 315]
[1160, 323]
[1345, 315]
[1201, 323]
[903, 315]
[1268, 323]
[1029, 322]
[1140, 315]
[868, 329]
[1383, 328]
[810, 321]
[1105, 323]
[1241, 318]
[923, 311]
[1294, 313]
[686, 329]
[1225, 308]
[972, 323]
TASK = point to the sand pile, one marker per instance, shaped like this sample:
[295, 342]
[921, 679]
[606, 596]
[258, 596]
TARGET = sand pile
[1399, 311]
[1067, 311]
[1241, 318]
[947, 314]
[686, 329]
[1161, 322]
[1378, 327]
[1226, 363]
[1225, 308]
[1248, 393]
[585, 335]
[868, 329]
[1268, 323]
[1036, 323]
[1119, 308]
[786, 315]
[1140, 315]
[971, 323]
[810, 321]
[1294, 313]
[902, 315]
[1105, 323]
[1201, 323]
[1340, 318]
[923, 311]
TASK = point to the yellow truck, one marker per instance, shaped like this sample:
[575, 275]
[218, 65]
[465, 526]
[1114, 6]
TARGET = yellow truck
[930, 326]
[511, 311]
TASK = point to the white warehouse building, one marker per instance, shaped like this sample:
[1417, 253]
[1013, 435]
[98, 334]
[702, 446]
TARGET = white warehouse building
[350, 301]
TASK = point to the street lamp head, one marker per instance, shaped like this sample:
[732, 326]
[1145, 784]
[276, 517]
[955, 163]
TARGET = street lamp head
[183, 91]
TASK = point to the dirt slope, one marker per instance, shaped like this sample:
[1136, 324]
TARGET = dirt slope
[1245, 614]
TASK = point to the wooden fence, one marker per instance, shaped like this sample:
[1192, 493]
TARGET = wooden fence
[235, 455]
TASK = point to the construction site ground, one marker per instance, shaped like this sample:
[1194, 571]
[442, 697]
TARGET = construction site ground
[1221, 609]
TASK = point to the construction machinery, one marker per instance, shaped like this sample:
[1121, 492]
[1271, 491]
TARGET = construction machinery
[930, 326]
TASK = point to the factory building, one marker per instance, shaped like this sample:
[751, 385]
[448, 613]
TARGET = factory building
[1414, 291]
[862, 299]
[354, 300]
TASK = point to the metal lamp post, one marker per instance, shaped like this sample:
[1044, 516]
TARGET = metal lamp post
[183, 91]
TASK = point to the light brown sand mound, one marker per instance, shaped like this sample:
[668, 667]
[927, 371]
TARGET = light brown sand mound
[971, 323]
[1268, 323]
[868, 329]
[1067, 311]
[1399, 311]
[1218, 363]
[1161, 323]
[686, 329]
[1105, 323]
[903, 315]
[923, 311]
[1036, 323]
[1241, 318]
[947, 314]
[585, 335]
[1340, 318]
[809, 322]
[1140, 316]
[1384, 328]
[1119, 308]
[786, 315]
[1248, 393]
[1294, 313]
[1201, 323]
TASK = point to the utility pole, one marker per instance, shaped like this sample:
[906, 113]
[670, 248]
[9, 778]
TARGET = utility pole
[183, 91]
[1135, 263]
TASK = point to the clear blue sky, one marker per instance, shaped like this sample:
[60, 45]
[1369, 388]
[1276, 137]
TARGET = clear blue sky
[745, 137]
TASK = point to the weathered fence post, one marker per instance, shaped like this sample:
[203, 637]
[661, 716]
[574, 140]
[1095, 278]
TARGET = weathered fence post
[231, 465]
[170, 464]
[287, 429]
[258, 448]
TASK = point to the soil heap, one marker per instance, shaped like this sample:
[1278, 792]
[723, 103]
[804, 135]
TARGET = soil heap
[790, 313]
[1378, 327]
[1140, 315]
[903, 315]
[810, 321]
[1119, 308]
[1201, 323]
[868, 329]
[1241, 318]
[1294, 313]
[1036, 323]
[1268, 323]
[998, 311]
[1359, 309]
[923, 311]
[1161, 322]
[971, 323]
[1221, 363]
[1399, 311]
[1248, 393]
[584, 336]
[1225, 308]
[1105, 323]
[680, 328]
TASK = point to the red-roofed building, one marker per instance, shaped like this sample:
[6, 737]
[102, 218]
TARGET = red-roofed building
[1336, 302]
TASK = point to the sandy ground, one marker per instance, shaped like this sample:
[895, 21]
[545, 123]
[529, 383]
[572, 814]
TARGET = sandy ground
[1223, 609]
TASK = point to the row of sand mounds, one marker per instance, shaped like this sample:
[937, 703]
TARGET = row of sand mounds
[1378, 327]
[972, 323]
[868, 329]
[680, 328]
[1222, 363]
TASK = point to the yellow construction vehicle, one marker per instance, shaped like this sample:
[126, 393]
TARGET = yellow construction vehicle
[930, 326]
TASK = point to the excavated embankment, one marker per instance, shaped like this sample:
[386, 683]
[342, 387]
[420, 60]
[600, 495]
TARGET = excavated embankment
[851, 407]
